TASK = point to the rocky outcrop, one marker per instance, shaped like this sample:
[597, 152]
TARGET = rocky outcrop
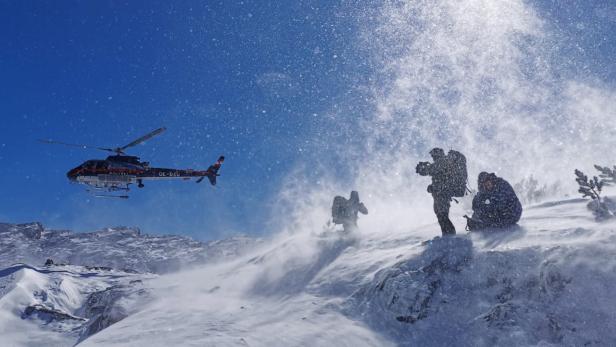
[406, 291]
[47, 314]
[106, 307]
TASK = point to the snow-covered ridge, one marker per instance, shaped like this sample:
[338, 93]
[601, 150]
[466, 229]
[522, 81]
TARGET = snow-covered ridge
[119, 248]
[551, 281]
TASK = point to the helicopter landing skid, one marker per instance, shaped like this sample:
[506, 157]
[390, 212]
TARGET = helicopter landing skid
[111, 196]
[99, 191]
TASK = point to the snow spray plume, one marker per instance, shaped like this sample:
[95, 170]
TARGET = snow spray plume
[480, 76]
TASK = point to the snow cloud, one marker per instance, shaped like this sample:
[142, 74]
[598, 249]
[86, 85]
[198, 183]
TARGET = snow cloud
[483, 77]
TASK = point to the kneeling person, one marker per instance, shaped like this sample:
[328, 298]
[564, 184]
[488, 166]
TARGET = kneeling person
[495, 205]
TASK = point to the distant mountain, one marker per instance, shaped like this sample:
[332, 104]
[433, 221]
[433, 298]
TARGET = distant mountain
[121, 248]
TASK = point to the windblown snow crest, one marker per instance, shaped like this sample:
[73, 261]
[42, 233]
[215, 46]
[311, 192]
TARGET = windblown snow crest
[487, 78]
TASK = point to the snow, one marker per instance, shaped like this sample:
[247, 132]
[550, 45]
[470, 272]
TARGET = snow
[549, 281]
[98, 278]
[490, 79]
[46, 302]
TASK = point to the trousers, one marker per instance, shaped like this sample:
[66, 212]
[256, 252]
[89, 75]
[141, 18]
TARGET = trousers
[442, 204]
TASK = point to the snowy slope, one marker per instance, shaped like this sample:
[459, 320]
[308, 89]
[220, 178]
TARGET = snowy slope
[98, 278]
[549, 282]
[59, 305]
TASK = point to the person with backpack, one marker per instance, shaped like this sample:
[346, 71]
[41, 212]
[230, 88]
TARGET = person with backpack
[345, 211]
[495, 206]
[449, 176]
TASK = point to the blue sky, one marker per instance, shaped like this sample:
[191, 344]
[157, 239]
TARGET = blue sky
[246, 79]
[253, 80]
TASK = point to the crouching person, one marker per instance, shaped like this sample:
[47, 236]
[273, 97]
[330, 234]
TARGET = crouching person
[495, 205]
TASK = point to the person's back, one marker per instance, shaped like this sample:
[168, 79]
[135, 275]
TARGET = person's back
[339, 210]
[508, 202]
[496, 204]
[345, 211]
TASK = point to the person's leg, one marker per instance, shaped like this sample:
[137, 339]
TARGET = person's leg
[347, 226]
[441, 209]
[474, 224]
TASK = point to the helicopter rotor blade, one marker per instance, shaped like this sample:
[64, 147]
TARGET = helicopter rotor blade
[76, 145]
[142, 138]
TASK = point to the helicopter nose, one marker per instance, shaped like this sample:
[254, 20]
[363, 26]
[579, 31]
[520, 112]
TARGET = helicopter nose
[72, 174]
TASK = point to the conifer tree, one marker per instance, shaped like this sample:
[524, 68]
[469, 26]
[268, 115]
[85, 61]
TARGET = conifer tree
[591, 187]
[608, 176]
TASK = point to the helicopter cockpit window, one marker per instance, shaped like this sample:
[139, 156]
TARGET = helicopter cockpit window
[116, 165]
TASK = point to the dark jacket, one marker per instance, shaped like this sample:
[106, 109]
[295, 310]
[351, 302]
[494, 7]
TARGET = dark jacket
[348, 211]
[356, 207]
[442, 171]
[498, 207]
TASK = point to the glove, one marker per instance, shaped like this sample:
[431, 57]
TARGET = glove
[422, 168]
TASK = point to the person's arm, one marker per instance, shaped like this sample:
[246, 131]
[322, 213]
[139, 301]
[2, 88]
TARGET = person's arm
[511, 203]
[478, 200]
[503, 194]
[362, 208]
[423, 168]
[438, 168]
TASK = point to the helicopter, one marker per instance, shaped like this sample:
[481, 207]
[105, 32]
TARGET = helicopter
[118, 171]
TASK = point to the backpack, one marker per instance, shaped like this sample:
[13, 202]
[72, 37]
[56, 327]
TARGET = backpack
[457, 173]
[339, 208]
